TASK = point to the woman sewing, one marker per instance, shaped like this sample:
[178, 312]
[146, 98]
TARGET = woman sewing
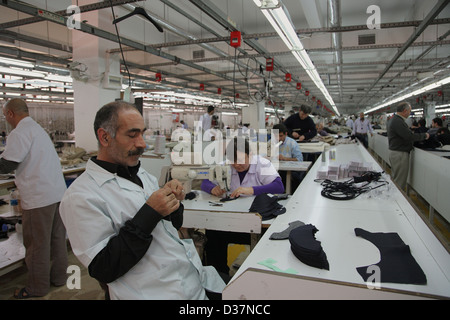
[250, 175]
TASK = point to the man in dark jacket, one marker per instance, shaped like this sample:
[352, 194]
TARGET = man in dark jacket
[300, 125]
[401, 140]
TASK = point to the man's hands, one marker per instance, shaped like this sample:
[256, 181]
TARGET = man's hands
[167, 199]
[177, 188]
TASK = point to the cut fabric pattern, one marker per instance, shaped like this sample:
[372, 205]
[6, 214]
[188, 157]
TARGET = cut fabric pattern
[397, 265]
[285, 233]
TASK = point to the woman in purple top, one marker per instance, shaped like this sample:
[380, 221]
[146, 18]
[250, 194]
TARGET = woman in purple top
[250, 175]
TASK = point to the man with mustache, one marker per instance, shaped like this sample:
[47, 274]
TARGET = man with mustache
[123, 227]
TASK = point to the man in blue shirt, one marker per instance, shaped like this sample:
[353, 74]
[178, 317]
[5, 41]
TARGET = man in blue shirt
[289, 150]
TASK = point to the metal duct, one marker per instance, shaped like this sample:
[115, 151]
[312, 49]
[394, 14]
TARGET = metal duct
[335, 21]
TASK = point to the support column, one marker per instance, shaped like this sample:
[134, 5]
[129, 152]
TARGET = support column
[429, 112]
[255, 115]
[90, 93]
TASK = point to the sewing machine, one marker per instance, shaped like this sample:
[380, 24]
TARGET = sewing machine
[187, 173]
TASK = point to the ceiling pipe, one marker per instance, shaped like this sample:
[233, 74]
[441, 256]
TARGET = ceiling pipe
[335, 22]
[417, 32]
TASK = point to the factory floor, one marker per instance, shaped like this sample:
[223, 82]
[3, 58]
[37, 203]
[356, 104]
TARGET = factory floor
[89, 287]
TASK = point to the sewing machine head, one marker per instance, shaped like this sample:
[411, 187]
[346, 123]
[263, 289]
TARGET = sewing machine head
[220, 174]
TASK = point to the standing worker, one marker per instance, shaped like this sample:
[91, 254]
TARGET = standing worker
[41, 185]
[206, 120]
[301, 126]
[401, 140]
[361, 128]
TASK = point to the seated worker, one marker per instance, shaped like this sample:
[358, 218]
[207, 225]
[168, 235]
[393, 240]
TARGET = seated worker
[321, 129]
[123, 227]
[436, 123]
[301, 126]
[443, 136]
[250, 175]
[289, 150]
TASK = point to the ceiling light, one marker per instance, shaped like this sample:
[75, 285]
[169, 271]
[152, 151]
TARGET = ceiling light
[15, 62]
[424, 89]
[277, 15]
[55, 77]
[21, 72]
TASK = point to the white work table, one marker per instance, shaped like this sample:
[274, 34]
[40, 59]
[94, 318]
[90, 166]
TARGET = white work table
[290, 166]
[231, 216]
[225, 216]
[336, 221]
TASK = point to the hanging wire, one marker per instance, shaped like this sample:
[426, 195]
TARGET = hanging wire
[120, 45]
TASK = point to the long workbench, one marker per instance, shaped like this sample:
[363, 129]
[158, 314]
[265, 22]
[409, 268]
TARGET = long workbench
[271, 271]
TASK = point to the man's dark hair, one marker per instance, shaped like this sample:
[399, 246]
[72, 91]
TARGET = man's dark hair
[280, 127]
[108, 115]
[305, 109]
[210, 108]
[422, 122]
[438, 121]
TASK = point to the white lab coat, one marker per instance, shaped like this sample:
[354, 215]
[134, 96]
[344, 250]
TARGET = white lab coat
[39, 176]
[260, 173]
[97, 205]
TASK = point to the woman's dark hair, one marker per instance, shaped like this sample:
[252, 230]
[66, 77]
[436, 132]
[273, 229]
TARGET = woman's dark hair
[240, 144]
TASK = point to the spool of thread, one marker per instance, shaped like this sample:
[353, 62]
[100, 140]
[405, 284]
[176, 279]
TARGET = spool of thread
[160, 145]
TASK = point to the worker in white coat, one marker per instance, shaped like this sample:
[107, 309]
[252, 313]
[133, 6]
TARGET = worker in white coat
[115, 210]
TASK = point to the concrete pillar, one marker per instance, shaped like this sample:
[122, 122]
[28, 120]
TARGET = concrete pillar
[429, 112]
[90, 93]
[255, 115]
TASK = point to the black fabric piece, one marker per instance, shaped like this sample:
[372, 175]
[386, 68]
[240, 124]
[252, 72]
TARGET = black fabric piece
[267, 206]
[397, 265]
[285, 233]
[306, 248]
[190, 195]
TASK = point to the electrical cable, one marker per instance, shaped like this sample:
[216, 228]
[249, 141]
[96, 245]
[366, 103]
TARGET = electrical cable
[348, 190]
[234, 74]
[120, 45]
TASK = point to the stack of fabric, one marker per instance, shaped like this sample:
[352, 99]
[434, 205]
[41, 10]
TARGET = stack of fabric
[267, 206]
[306, 248]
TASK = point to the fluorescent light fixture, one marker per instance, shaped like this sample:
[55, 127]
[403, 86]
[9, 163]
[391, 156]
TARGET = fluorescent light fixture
[278, 17]
[15, 62]
[402, 97]
[20, 72]
[55, 77]
[230, 113]
[177, 110]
